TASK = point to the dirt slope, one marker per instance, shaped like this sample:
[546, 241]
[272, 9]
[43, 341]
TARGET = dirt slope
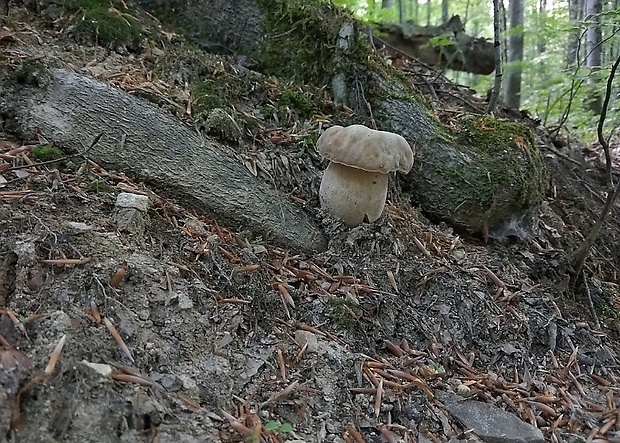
[220, 333]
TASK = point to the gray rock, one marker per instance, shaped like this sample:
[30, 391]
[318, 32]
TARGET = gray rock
[305, 337]
[130, 213]
[490, 423]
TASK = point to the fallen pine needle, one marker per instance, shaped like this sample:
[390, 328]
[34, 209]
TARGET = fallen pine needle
[67, 261]
[281, 395]
[388, 435]
[494, 278]
[117, 337]
[357, 436]
[94, 311]
[378, 398]
[128, 378]
[119, 275]
[421, 247]
[237, 425]
[51, 365]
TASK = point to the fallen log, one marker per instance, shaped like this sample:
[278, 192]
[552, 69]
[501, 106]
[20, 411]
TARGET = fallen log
[70, 110]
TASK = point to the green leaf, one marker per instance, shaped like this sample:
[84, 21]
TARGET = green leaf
[272, 426]
[286, 427]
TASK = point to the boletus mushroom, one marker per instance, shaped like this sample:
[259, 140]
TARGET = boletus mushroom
[354, 185]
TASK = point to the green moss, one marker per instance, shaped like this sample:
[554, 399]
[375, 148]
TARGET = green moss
[45, 153]
[205, 97]
[504, 164]
[309, 142]
[343, 312]
[251, 123]
[292, 104]
[32, 73]
[301, 38]
[100, 186]
[300, 101]
[106, 22]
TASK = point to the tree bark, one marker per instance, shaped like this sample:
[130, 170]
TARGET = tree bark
[593, 57]
[444, 10]
[515, 55]
[71, 110]
[232, 25]
[574, 7]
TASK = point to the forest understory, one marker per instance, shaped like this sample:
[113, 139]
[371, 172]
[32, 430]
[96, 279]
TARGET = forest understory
[126, 315]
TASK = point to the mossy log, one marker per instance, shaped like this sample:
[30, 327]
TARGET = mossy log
[462, 53]
[477, 175]
[72, 110]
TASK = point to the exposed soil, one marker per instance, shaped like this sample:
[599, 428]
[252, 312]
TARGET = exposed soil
[216, 323]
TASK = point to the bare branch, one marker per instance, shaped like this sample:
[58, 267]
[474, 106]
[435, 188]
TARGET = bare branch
[579, 257]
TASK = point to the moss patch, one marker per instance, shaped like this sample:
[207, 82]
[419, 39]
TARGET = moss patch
[343, 313]
[45, 153]
[301, 38]
[32, 73]
[105, 22]
[101, 186]
[505, 174]
[489, 176]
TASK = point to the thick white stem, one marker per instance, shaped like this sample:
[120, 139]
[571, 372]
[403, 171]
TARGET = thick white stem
[352, 194]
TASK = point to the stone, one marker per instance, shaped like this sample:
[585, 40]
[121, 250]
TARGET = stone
[102, 369]
[490, 423]
[303, 337]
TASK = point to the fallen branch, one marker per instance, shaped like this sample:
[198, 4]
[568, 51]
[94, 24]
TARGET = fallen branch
[138, 138]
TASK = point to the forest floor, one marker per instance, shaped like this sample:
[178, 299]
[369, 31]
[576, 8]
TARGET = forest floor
[223, 337]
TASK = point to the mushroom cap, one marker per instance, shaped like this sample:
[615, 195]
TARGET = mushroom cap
[360, 147]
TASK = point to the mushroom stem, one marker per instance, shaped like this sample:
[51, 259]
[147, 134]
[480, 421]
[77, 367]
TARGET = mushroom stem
[352, 194]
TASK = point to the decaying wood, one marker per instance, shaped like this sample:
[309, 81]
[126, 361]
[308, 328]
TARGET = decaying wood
[464, 53]
[140, 139]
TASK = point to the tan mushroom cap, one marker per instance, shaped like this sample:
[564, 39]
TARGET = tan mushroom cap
[360, 147]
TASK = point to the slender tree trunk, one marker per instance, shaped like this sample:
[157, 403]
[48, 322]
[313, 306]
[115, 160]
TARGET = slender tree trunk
[515, 54]
[401, 11]
[387, 4]
[416, 11]
[444, 11]
[372, 7]
[593, 59]
[497, 29]
[428, 12]
[541, 44]
[466, 18]
[573, 40]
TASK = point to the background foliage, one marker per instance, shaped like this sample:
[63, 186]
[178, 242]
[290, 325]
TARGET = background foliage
[557, 86]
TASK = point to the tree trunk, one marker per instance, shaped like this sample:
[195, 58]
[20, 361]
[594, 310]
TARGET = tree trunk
[541, 45]
[444, 11]
[465, 53]
[515, 54]
[428, 12]
[594, 52]
[574, 7]
[145, 142]
[386, 4]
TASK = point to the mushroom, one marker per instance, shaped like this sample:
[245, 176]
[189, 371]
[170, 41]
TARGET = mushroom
[354, 185]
